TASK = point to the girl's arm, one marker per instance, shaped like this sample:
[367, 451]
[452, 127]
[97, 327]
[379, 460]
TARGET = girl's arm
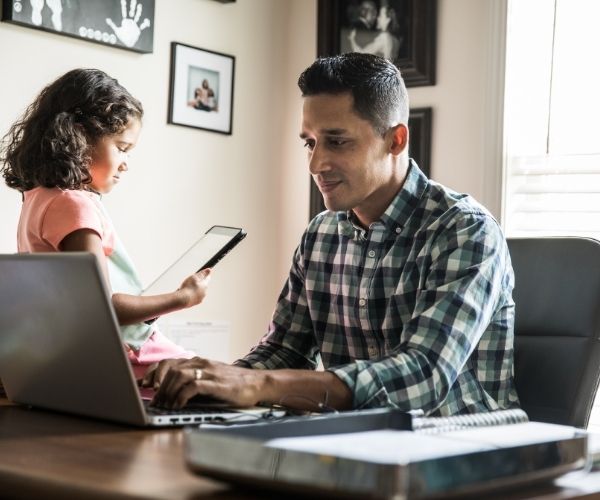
[132, 309]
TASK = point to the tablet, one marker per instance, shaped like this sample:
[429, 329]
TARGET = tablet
[206, 252]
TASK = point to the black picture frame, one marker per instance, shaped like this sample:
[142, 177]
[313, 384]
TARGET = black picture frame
[419, 130]
[201, 88]
[419, 133]
[413, 33]
[125, 25]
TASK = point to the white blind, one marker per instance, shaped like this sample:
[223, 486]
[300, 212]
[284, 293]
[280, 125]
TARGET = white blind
[558, 195]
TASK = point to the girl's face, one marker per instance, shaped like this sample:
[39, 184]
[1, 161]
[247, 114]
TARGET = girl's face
[110, 155]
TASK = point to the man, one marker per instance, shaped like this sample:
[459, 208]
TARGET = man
[403, 287]
[367, 13]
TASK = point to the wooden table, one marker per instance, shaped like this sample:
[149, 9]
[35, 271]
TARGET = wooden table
[50, 455]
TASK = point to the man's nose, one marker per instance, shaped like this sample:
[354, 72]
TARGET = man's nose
[319, 161]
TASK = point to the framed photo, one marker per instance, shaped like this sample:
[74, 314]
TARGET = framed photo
[201, 92]
[419, 136]
[126, 24]
[403, 31]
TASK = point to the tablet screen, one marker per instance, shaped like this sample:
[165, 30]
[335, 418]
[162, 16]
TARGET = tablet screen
[217, 241]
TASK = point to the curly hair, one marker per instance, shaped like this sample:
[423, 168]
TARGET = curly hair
[51, 144]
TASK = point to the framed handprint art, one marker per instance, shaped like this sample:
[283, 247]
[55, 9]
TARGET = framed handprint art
[125, 24]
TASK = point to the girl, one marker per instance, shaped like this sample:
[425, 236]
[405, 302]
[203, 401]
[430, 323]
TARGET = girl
[69, 148]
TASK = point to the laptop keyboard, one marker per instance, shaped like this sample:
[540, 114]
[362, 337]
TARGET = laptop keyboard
[155, 410]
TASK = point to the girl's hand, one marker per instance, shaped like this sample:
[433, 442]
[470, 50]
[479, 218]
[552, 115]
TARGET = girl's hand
[194, 287]
[133, 309]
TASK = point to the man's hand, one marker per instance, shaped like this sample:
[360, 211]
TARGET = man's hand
[178, 380]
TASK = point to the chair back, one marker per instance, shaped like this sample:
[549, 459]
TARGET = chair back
[557, 327]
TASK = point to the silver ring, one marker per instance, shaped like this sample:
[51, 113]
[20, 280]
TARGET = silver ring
[197, 374]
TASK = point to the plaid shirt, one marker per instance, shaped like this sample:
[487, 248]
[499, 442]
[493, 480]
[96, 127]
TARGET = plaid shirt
[415, 313]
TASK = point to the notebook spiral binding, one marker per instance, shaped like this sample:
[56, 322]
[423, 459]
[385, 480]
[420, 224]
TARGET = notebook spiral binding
[434, 425]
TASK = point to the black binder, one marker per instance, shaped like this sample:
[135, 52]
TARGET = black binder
[386, 453]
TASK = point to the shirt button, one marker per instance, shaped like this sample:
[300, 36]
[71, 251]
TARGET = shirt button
[372, 350]
[371, 253]
[362, 302]
[398, 230]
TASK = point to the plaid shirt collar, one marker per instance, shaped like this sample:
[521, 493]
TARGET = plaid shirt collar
[397, 213]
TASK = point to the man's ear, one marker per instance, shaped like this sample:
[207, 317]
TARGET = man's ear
[399, 139]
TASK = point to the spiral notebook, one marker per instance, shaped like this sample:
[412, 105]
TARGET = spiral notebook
[388, 454]
[436, 425]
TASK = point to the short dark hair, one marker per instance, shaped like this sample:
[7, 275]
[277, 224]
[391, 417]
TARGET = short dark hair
[376, 86]
[50, 145]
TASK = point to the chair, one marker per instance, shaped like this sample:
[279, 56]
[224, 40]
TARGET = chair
[557, 327]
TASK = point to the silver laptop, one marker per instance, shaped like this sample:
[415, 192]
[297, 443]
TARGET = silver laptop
[60, 346]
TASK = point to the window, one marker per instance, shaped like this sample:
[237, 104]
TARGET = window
[551, 118]
[552, 122]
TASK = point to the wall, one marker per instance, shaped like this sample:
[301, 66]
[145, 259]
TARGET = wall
[466, 101]
[181, 181]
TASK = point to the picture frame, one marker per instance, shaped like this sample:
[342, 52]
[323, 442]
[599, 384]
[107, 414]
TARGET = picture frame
[419, 134]
[406, 33]
[124, 24]
[201, 88]
[419, 137]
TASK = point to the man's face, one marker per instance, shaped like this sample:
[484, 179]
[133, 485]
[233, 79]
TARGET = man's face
[368, 12]
[348, 159]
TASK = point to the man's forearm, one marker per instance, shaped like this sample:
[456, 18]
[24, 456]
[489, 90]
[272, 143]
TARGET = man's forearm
[304, 390]
[270, 356]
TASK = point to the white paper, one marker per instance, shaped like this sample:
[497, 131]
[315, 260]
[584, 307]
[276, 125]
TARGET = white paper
[516, 434]
[385, 446]
[208, 339]
[594, 442]
[402, 447]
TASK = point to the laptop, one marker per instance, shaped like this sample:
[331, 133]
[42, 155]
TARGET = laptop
[60, 346]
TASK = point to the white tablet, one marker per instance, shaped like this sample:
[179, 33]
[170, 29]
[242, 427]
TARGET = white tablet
[206, 252]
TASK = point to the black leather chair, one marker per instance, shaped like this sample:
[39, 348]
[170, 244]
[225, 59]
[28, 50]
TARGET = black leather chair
[557, 327]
